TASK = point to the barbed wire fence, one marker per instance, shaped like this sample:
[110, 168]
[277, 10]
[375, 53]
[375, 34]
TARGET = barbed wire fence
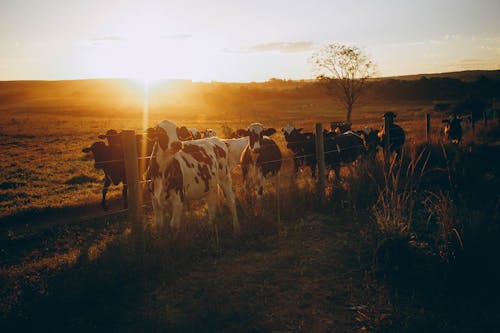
[135, 210]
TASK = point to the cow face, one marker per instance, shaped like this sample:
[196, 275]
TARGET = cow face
[291, 133]
[208, 133]
[99, 150]
[167, 135]
[256, 132]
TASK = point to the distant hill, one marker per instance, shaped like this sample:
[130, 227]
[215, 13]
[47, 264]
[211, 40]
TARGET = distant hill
[467, 76]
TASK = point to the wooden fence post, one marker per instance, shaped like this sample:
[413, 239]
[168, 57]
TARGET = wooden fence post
[134, 197]
[387, 139]
[428, 127]
[320, 157]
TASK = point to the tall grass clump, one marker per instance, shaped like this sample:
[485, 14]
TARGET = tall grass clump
[442, 214]
[394, 210]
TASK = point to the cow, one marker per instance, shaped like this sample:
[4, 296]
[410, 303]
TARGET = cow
[303, 147]
[261, 158]
[110, 159]
[371, 140]
[112, 136]
[340, 127]
[235, 149]
[208, 133]
[188, 170]
[396, 133]
[453, 129]
[343, 149]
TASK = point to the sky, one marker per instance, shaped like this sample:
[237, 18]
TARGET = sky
[231, 40]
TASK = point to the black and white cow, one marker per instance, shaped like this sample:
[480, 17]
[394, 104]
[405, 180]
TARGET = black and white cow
[182, 171]
[208, 133]
[261, 158]
[303, 147]
[235, 149]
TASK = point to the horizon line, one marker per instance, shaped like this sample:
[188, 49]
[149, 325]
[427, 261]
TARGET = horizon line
[217, 81]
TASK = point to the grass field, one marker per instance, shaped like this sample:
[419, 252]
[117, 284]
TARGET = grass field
[408, 249]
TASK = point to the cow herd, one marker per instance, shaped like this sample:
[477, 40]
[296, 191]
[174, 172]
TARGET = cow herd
[182, 164]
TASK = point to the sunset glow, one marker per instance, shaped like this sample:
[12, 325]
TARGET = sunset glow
[235, 41]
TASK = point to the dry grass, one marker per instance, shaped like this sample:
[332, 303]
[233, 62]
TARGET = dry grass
[310, 272]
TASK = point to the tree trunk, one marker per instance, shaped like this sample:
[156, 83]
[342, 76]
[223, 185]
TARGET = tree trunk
[349, 111]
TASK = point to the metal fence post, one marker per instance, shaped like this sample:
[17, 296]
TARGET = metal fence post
[428, 127]
[320, 157]
[387, 139]
[134, 197]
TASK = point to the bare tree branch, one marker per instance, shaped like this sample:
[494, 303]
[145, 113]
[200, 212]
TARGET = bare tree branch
[343, 70]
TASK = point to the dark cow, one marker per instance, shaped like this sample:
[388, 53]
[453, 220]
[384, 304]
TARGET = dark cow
[261, 158]
[396, 133]
[340, 127]
[340, 149]
[182, 171]
[343, 149]
[371, 140]
[453, 129]
[303, 147]
[110, 159]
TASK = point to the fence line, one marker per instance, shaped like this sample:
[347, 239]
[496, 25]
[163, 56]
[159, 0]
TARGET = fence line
[291, 158]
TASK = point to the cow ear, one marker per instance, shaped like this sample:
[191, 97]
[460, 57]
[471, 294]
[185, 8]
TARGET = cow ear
[269, 131]
[241, 132]
[86, 150]
[176, 146]
[151, 133]
[183, 133]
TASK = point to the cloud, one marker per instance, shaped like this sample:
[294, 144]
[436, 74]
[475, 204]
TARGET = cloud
[98, 41]
[476, 63]
[283, 47]
[177, 36]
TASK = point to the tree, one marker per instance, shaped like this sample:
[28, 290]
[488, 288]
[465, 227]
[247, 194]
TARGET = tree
[343, 70]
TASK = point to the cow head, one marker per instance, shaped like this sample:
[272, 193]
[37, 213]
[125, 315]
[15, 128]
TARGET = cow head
[184, 134]
[290, 132]
[390, 116]
[208, 133]
[370, 138]
[100, 152]
[167, 136]
[113, 137]
[256, 132]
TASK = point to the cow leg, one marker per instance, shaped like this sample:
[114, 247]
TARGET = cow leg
[124, 196]
[175, 221]
[105, 187]
[159, 213]
[212, 205]
[231, 201]
[336, 170]
[259, 206]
